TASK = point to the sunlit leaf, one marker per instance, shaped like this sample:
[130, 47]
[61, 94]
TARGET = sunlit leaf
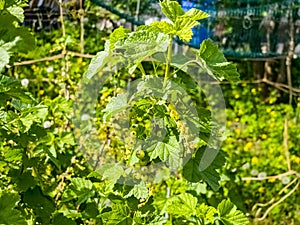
[183, 21]
[172, 9]
[97, 63]
[196, 14]
[142, 44]
[111, 172]
[229, 215]
[115, 105]
[139, 191]
[17, 11]
[213, 61]
[80, 189]
[207, 213]
[4, 59]
[118, 34]
[166, 151]
[182, 205]
[164, 27]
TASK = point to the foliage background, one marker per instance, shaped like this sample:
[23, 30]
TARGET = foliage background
[44, 179]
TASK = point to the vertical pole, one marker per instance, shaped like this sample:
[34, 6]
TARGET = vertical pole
[290, 54]
[137, 12]
[81, 13]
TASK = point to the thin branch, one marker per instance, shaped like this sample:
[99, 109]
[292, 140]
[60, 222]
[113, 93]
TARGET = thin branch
[51, 58]
[279, 201]
[273, 199]
[280, 85]
[81, 13]
[274, 84]
[88, 56]
[62, 19]
[287, 186]
[290, 53]
[291, 172]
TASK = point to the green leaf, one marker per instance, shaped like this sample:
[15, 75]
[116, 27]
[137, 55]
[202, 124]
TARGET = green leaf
[142, 44]
[17, 11]
[184, 27]
[23, 181]
[229, 215]
[91, 210]
[171, 9]
[185, 34]
[2, 3]
[193, 173]
[4, 59]
[8, 214]
[12, 154]
[19, 105]
[182, 205]
[9, 45]
[166, 151]
[207, 213]
[139, 191]
[70, 213]
[116, 104]
[97, 63]
[111, 172]
[183, 21]
[213, 61]
[67, 138]
[11, 88]
[18, 38]
[164, 27]
[158, 220]
[42, 205]
[60, 219]
[196, 14]
[118, 34]
[118, 215]
[80, 189]
[33, 114]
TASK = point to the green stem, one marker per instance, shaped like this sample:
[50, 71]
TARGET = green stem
[169, 54]
[183, 65]
[140, 66]
[154, 67]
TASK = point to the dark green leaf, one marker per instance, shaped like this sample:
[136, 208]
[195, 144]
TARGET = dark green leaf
[193, 172]
[42, 205]
[8, 214]
[60, 219]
